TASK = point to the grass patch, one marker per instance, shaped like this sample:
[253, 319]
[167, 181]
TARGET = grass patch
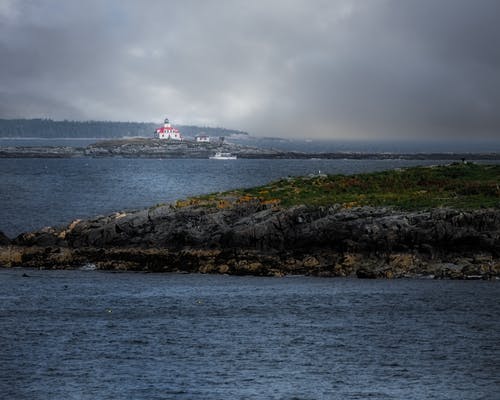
[463, 186]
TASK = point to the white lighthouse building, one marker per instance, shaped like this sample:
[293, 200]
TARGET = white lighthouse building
[167, 131]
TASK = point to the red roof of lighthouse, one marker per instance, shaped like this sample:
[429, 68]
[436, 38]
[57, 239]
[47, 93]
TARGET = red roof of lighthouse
[163, 129]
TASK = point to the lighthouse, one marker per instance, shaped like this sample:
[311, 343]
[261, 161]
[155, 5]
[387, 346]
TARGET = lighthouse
[167, 131]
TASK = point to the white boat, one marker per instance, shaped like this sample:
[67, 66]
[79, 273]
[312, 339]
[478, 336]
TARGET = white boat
[223, 156]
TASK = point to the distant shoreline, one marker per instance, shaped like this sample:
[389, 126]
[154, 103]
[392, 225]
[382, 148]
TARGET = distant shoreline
[156, 148]
[48, 138]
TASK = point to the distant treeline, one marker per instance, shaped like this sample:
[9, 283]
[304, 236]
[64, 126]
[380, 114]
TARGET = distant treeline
[47, 128]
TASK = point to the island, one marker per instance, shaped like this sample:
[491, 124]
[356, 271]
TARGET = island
[438, 222]
[166, 148]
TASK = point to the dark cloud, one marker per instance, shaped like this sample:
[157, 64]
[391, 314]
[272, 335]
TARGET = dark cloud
[333, 69]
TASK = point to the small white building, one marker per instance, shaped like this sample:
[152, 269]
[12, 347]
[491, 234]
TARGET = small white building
[202, 138]
[167, 131]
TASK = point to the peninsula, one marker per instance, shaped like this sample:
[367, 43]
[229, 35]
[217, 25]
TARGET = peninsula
[441, 222]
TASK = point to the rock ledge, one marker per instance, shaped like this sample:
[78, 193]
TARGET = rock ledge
[257, 239]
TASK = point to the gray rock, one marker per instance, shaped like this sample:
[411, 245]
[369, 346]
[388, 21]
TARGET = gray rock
[253, 226]
[326, 241]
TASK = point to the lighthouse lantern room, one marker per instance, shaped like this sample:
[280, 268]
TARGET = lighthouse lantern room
[167, 131]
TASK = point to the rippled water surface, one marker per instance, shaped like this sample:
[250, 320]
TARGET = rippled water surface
[95, 335]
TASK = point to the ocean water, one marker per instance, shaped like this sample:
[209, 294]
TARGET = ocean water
[99, 335]
[47, 192]
[378, 146]
[94, 335]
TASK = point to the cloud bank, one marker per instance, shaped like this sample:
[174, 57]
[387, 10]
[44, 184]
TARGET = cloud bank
[315, 68]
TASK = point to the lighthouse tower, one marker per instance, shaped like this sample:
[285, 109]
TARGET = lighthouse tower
[167, 131]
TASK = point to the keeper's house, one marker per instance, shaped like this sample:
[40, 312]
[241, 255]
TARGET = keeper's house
[202, 138]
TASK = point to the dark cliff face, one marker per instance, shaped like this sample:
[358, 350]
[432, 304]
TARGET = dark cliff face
[257, 239]
[270, 229]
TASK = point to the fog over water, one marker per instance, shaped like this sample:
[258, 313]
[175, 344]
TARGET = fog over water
[340, 69]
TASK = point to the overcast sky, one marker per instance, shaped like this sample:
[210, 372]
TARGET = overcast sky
[318, 68]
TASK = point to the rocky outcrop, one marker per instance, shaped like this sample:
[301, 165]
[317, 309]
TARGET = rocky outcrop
[257, 239]
[171, 149]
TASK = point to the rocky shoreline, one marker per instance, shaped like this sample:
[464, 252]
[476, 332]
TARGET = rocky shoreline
[252, 238]
[156, 148]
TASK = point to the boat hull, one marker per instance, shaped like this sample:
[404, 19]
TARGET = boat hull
[222, 156]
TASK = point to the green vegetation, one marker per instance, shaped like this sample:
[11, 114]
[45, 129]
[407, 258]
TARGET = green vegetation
[463, 186]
